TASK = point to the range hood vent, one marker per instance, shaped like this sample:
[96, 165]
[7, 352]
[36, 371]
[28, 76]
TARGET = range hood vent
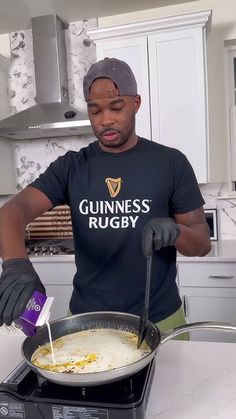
[52, 116]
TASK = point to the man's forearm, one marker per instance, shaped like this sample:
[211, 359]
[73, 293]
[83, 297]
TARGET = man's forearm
[193, 240]
[12, 233]
[14, 217]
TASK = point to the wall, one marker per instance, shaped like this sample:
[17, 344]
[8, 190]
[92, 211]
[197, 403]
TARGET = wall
[32, 157]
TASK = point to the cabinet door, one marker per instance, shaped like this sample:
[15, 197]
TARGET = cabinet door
[57, 277]
[134, 52]
[4, 100]
[178, 94]
[210, 304]
[231, 108]
[7, 168]
[232, 118]
[7, 164]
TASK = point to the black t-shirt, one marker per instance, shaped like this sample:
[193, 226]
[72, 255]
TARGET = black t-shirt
[111, 197]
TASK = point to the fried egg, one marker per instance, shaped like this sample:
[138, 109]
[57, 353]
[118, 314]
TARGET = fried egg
[90, 351]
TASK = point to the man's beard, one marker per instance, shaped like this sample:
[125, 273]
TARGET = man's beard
[123, 138]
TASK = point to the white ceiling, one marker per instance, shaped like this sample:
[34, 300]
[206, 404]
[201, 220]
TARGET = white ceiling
[16, 14]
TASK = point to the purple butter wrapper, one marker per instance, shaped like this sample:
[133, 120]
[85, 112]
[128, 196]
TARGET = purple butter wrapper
[36, 313]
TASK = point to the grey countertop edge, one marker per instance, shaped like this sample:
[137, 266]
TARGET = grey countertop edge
[51, 259]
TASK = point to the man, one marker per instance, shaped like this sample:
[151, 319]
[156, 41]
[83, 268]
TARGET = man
[117, 188]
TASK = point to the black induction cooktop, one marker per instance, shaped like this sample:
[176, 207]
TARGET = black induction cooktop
[25, 395]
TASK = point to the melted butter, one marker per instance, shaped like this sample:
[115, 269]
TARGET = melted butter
[68, 365]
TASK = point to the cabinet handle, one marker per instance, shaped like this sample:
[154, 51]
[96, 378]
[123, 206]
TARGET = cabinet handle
[185, 305]
[221, 276]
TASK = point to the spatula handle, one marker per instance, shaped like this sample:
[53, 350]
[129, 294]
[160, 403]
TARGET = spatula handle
[144, 317]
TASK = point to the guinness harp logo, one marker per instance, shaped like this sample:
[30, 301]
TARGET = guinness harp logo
[113, 185]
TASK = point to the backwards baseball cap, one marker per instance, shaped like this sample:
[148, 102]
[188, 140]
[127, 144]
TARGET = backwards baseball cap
[116, 70]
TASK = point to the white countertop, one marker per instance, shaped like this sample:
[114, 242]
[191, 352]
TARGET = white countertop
[222, 251]
[192, 380]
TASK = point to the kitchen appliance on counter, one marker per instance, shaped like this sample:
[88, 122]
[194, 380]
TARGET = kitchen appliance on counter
[211, 219]
[25, 395]
[51, 233]
[50, 247]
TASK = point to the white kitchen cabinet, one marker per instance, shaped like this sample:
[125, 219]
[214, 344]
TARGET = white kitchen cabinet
[7, 165]
[168, 57]
[208, 292]
[134, 52]
[230, 87]
[57, 277]
[179, 110]
[7, 168]
[4, 100]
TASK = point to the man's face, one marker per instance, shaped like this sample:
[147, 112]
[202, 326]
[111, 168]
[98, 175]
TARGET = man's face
[112, 116]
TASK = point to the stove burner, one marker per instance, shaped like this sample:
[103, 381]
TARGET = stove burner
[50, 247]
[38, 398]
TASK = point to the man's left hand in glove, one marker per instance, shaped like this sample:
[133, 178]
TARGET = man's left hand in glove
[18, 281]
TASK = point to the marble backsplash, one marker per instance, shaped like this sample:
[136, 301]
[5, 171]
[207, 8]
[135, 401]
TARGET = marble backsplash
[33, 156]
[216, 196]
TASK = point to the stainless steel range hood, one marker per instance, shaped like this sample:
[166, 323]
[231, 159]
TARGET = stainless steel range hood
[52, 116]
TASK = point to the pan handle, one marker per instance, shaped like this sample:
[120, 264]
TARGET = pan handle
[224, 326]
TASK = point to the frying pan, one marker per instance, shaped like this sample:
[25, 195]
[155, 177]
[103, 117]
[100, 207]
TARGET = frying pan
[107, 320]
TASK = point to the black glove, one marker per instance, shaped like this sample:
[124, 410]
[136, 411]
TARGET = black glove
[18, 281]
[157, 233]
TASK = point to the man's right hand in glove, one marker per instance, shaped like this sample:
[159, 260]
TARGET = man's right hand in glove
[18, 281]
[157, 233]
